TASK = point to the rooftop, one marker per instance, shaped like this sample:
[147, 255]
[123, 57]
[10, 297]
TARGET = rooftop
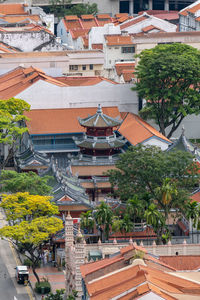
[117, 39]
[65, 120]
[12, 9]
[136, 130]
[182, 262]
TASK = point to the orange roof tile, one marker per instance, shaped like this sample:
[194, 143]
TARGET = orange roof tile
[136, 130]
[149, 28]
[83, 80]
[103, 16]
[115, 39]
[87, 17]
[7, 49]
[183, 13]
[68, 18]
[78, 32]
[133, 22]
[196, 197]
[97, 46]
[121, 15]
[194, 9]
[17, 80]
[182, 262]
[128, 76]
[12, 9]
[115, 284]
[16, 19]
[197, 19]
[65, 120]
[121, 67]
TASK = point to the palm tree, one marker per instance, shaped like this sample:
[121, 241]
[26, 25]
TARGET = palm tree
[135, 208]
[192, 212]
[87, 221]
[104, 217]
[126, 224]
[155, 219]
[165, 195]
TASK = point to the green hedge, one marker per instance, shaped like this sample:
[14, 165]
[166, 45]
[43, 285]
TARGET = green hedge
[43, 287]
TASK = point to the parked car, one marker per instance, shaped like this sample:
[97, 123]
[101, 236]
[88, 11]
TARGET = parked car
[22, 274]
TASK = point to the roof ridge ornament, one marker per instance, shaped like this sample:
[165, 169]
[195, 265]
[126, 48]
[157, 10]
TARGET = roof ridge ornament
[99, 109]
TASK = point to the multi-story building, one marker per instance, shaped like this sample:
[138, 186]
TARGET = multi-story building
[189, 17]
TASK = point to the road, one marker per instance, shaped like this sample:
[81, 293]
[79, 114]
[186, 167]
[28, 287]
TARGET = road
[8, 261]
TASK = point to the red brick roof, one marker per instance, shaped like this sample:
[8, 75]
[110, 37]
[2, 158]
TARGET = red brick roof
[12, 9]
[192, 10]
[196, 197]
[133, 22]
[118, 39]
[181, 262]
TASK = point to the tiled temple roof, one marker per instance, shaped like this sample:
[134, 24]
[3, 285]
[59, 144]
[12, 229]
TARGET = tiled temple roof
[99, 120]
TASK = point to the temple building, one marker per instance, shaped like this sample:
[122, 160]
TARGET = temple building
[99, 147]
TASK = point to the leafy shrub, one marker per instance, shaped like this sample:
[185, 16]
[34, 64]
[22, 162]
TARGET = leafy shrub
[43, 287]
[28, 263]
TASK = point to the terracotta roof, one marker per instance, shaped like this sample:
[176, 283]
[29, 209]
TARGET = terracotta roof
[69, 18]
[128, 278]
[182, 262]
[65, 120]
[128, 75]
[133, 22]
[162, 14]
[121, 15]
[196, 196]
[136, 235]
[19, 79]
[12, 9]
[97, 46]
[136, 130]
[193, 9]
[7, 49]
[116, 40]
[83, 80]
[150, 28]
[120, 67]
[78, 32]
[103, 16]
[18, 19]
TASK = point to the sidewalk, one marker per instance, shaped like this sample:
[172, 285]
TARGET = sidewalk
[55, 277]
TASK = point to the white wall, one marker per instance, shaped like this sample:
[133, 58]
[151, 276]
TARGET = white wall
[43, 95]
[96, 34]
[157, 142]
[28, 41]
[162, 24]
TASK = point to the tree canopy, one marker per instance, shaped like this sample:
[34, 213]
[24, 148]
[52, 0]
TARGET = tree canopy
[165, 178]
[63, 8]
[32, 224]
[12, 124]
[168, 77]
[14, 182]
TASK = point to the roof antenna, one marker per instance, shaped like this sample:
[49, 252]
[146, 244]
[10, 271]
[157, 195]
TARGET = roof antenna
[99, 109]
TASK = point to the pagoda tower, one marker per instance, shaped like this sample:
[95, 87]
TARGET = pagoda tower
[99, 149]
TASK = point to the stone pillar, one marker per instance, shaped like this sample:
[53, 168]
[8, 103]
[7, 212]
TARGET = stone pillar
[69, 250]
[150, 4]
[166, 5]
[79, 260]
[131, 7]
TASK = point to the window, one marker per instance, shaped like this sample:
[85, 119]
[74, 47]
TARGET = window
[128, 49]
[73, 68]
[83, 67]
[91, 67]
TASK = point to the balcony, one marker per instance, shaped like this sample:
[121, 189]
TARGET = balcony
[56, 148]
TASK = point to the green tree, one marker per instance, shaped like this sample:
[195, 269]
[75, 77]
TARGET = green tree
[32, 226]
[63, 8]
[56, 296]
[155, 219]
[12, 126]
[135, 208]
[87, 221]
[192, 213]
[23, 206]
[165, 194]
[14, 182]
[168, 78]
[142, 170]
[103, 217]
[31, 236]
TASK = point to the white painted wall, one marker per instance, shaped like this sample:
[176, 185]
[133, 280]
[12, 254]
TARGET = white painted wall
[162, 24]
[157, 142]
[106, 6]
[43, 95]
[28, 41]
[96, 34]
